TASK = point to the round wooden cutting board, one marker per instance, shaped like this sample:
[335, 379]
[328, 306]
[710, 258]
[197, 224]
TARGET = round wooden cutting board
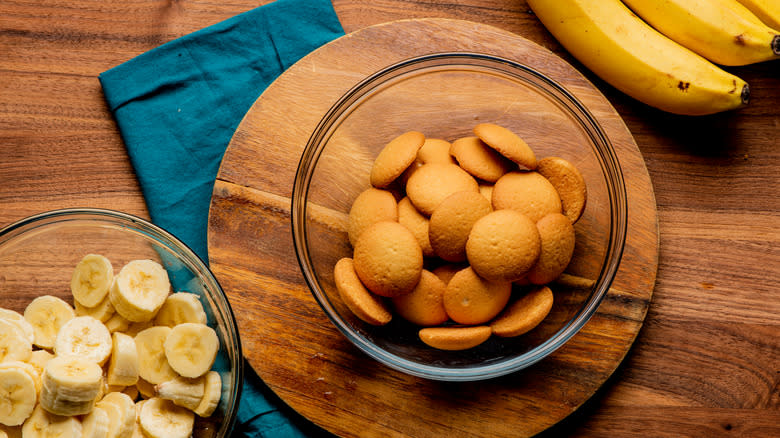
[288, 339]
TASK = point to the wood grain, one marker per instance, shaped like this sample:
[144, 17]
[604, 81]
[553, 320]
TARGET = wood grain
[251, 197]
[715, 180]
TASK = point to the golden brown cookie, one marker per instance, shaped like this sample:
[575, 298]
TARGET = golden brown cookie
[455, 338]
[527, 192]
[503, 245]
[433, 182]
[412, 219]
[487, 191]
[470, 299]
[424, 305]
[435, 150]
[524, 314]
[371, 206]
[557, 234]
[447, 271]
[569, 183]
[388, 259]
[507, 143]
[359, 300]
[476, 158]
[451, 223]
[395, 157]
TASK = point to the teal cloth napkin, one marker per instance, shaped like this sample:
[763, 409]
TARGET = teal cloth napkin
[177, 107]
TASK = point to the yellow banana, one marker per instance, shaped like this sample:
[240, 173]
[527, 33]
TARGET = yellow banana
[636, 59]
[767, 11]
[723, 31]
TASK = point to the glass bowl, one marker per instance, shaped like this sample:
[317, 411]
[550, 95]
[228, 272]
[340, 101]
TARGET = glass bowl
[444, 96]
[38, 255]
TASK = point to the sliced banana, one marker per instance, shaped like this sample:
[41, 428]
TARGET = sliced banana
[153, 365]
[140, 290]
[42, 424]
[123, 366]
[27, 368]
[47, 314]
[137, 327]
[96, 424]
[14, 345]
[132, 392]
[121, 413]
[17, 396]
[137, 431]
[38, 360]
[162, 419]
[91, 279]
[191, 349]
[212, 392]
[117, 323]
[103, 311]
[85, 337]
[70, 385]
[182, 391]
[145, 388]
[179, 308]
[17, 319]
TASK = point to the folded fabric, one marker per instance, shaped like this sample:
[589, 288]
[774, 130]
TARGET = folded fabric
[177, 107]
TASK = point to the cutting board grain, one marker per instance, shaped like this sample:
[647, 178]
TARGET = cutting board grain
[287, 338]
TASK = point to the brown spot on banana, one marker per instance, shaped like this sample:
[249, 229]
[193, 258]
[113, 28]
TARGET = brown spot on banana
[740, 39]
[683, 86]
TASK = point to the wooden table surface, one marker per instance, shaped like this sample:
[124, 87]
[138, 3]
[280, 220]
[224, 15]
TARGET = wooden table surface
[707, 361]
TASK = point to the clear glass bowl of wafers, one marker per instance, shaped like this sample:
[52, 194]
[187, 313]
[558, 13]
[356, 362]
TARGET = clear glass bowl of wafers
[38, 257]
[444, 96]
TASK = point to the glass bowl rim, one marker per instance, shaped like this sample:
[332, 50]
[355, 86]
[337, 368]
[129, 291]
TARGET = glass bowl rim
[98, 214]
[615, 183]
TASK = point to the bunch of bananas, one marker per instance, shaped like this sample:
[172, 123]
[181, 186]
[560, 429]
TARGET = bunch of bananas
[664, 52]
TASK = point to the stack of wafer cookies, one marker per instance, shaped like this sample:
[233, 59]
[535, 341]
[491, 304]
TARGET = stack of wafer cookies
[481, 229]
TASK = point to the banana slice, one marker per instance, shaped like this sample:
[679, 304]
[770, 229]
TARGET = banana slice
[85, 337]
[179, 308]
[44, 424]
[17, 319]
[191, 349]
[91, 279]
[38, 360]
[123, 366]
[153, 365]
[95, 424]
[70, 385]
[14, 345]
[47, 314]
[132, 392]
[162, 419]
[212, 392]
[17, 396]
[103, 311]
[27, 368]
[140, 290]
[137, 431]
[117, 323]
[121, 413]
[182, 391]
[137, 327]
[145, 388]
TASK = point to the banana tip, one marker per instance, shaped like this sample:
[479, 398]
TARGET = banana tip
[776, 44]
[745, 94]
